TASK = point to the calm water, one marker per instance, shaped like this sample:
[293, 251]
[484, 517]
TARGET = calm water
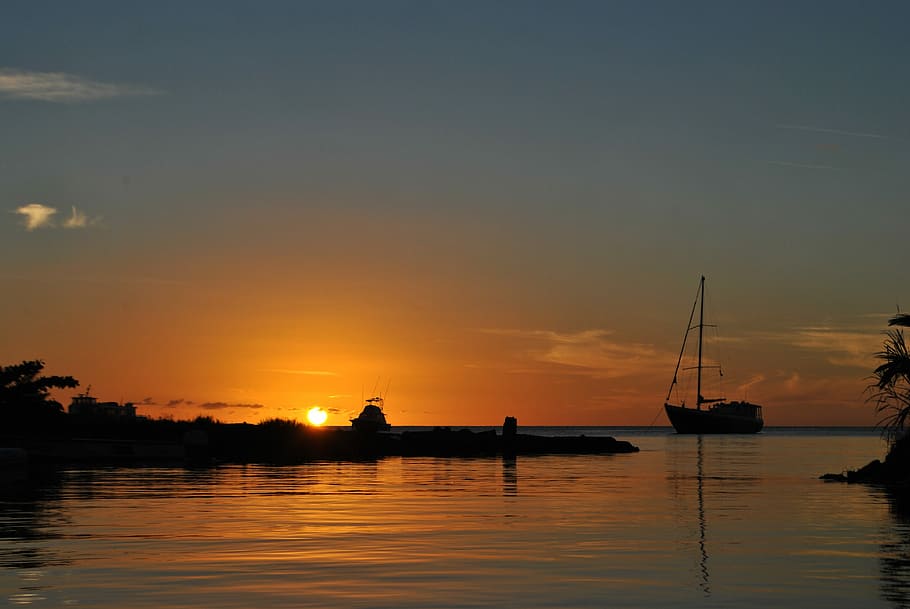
[730, 521]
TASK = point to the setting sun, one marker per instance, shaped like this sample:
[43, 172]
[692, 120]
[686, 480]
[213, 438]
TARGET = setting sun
[316, 415]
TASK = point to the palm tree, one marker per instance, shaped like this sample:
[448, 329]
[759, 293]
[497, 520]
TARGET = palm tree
[23, 388]
[890, 389]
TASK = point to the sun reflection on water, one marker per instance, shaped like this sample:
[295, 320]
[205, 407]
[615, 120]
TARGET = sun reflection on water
[684, 523]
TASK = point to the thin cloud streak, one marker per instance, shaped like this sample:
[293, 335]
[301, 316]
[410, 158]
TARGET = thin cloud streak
[225, 405]
[142, 281]
[743, 388]
[802, 165]
[846, 347]
[60, 87]
[587, 352]
[302, 372]
[833, 131]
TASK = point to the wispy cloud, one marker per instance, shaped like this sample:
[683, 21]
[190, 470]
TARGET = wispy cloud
[301, 372]
[833, 131]
[77, 220]
[841, 346]
[38, 215]
[591, 352]
[812, 395]
[802, 165]
[179, 402]
[850, 348]
[62, 87]
[743, 388]
[147, 282]
[882, 317]
[226, 405]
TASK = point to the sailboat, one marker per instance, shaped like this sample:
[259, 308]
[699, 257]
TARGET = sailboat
[720, 416]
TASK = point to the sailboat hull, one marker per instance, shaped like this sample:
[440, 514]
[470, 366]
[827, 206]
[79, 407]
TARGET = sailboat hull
[691, 420]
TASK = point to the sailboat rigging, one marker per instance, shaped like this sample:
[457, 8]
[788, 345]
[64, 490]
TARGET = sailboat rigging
[720, 416]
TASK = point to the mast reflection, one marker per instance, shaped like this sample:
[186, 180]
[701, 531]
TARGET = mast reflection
[705, 584]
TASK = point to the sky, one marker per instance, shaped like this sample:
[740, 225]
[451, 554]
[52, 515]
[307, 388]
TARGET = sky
[478, 209]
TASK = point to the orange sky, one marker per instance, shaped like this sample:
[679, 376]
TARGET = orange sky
[247, 359]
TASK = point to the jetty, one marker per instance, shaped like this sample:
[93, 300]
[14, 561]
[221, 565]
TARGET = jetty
[286, 443]
[204, 441]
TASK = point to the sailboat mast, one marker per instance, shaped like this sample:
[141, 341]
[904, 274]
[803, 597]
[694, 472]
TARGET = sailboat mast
[701, 327]
[682, 349]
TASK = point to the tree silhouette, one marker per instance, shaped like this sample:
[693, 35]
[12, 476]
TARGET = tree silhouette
[890, 389]
[21, 387]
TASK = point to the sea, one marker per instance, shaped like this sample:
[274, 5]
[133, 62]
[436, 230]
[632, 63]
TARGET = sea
[689, 521]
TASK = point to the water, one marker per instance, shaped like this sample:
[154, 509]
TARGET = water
[735, 521]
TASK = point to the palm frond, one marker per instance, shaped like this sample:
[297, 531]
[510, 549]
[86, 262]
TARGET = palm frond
[889, 390]
[895, 357]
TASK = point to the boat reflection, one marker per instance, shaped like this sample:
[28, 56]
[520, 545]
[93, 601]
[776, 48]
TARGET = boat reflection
[509, 476]
[705, 583]
[688, 485]
[709, 475]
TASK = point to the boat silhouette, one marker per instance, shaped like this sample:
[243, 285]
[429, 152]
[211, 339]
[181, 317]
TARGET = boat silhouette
[720, 416]
[371, 419]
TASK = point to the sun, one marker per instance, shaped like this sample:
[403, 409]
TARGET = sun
[316, 416]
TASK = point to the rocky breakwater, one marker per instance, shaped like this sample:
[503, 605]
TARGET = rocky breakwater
[444, 441]
[278, 441]
[289, 444]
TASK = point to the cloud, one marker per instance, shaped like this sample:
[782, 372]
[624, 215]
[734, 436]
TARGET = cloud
[849, 348]
[802, 165]
[882, 317]
[149, 401]
[36, 215]
[846, 347]
[833, 131]
[225, 405]
[302, 372]
[743, 388]
[790, 388]
[62, 87]
[77, 220]
[588, 352]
